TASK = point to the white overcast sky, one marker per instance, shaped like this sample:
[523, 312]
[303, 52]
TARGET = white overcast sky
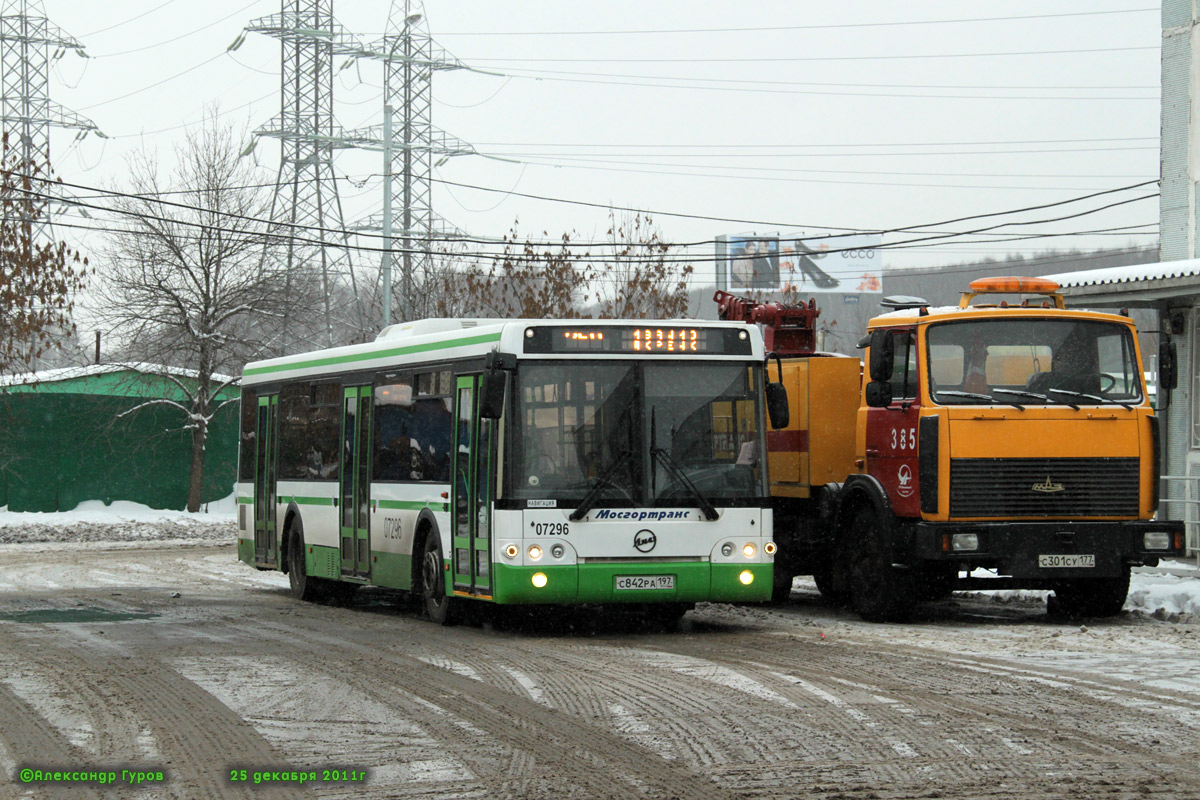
[785, 116]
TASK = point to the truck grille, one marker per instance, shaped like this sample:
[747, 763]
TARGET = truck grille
[1044, 487]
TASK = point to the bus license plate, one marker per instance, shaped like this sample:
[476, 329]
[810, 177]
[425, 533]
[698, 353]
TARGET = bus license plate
[1069, 562]
[645, 582]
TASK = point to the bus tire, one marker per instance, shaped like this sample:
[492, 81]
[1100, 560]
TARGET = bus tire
[879, 592]
[1090, 597]
[304, 586]
[439, 606]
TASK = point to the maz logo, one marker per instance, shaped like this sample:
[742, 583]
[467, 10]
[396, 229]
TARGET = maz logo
[1049, 487]
[644, 541]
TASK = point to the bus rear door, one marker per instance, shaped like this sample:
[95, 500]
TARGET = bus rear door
[354, 496]
[266, 540]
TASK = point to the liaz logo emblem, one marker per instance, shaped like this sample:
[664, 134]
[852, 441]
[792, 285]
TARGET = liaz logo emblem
[644, 541]
[1048, 487]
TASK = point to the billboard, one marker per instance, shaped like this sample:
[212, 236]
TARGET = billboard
[841, 264]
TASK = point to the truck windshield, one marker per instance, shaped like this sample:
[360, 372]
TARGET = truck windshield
[1039, 361]
[624, 433]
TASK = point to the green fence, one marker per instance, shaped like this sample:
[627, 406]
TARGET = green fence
[58, 448]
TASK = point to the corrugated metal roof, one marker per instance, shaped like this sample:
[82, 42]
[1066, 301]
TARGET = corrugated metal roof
[1134, 273]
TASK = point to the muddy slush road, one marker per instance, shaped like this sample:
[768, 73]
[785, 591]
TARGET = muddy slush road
[174, 658]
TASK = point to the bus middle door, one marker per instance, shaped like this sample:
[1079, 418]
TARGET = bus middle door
[470, 491]
[354, 496]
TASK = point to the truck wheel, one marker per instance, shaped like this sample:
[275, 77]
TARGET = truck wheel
[1091, 597]
[880, 593]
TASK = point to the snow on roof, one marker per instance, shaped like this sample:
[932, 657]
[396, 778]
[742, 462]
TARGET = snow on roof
[1134, 273]
[93, 370]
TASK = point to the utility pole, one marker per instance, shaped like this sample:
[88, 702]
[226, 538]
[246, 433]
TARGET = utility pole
[26, 111]
[306, 203]
[409, 145]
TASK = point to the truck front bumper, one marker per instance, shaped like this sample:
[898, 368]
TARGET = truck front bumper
[1048, 550]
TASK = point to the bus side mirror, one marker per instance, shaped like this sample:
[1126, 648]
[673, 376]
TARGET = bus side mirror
[879, 394]
[883, 354]
[776, 394]
[491, 388]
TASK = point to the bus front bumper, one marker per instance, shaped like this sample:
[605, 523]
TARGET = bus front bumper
[667, 582]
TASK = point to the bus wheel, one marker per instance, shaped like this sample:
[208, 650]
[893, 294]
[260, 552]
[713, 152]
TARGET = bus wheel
[438, 606]
[880, 592]
[304, 587]
[1090, 597]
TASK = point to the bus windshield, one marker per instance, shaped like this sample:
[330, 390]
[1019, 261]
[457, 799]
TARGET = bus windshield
[1032, 361]
[624, 433]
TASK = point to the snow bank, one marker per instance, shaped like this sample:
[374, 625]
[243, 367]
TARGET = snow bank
[93, 521]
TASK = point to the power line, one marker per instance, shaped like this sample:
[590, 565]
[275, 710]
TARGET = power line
[804, 59]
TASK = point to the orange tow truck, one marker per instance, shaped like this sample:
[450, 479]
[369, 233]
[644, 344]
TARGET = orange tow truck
[987, 445]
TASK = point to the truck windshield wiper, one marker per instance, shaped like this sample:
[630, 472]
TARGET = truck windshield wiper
[604, 479]
[977, 396]
[1095, 397]
[670, 465]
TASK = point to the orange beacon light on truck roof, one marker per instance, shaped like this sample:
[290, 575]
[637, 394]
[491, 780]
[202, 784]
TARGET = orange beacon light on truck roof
[1012, 285]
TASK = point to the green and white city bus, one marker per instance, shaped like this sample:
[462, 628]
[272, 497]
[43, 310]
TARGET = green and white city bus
[514, 462]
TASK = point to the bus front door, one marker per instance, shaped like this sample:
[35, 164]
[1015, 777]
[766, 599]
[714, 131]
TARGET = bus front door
[354, 497]
[471, 492]
[266, 539]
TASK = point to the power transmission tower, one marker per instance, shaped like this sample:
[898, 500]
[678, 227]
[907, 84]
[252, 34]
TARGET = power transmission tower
[409, 142]
[306, 203]
[26, 112]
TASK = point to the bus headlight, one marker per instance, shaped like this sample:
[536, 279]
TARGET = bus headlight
[539, 579]
[747, 577]
[769, 548]
[748, 551]
[512, 551]
[535, 552]
[727, 549]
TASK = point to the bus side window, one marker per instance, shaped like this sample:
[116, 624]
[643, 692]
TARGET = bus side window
[249, 423]
[324, 432]
[397, 453]
[293, 431]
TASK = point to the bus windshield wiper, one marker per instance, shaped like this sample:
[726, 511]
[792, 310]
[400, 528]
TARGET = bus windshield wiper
[977, 396]
[670, 465]
[604, 479]
[1096, 397]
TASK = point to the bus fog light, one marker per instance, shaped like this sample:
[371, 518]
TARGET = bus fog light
[1157, 540]
[727, 549]
[557, 551]
[748, 551]
[769, 548]
[747, 577]
[511, 551]
[964, 541]
[539, 579]
[535, 552]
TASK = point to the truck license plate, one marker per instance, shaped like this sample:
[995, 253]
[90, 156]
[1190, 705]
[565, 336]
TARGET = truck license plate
[645, 582]
[1069, 562]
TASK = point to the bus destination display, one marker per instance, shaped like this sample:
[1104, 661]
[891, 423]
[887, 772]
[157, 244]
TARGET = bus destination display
[657, 340]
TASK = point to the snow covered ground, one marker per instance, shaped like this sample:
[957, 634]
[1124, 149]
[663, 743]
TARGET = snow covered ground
[1169, 591]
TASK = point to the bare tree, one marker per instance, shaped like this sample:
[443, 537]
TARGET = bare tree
[528, 280]
[193, 280]
[37, 279]
[637, 281]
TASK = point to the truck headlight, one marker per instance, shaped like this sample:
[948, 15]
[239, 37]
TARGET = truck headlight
[961, 542]
[1156, 540]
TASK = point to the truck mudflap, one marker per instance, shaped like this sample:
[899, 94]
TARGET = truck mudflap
[1049, 550]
